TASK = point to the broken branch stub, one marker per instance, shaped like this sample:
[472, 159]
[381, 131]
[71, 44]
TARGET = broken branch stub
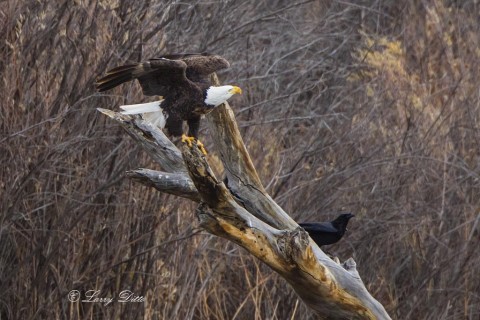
[243, 180]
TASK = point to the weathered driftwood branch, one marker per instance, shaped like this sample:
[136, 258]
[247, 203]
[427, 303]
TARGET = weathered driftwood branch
[332, 290]
[243, 180]
[244, 213]
[178, 184]
[152, 140]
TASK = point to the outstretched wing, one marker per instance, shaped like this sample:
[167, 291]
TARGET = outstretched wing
[159, 75]
[200, 65]
[179, 56]
[156, 76]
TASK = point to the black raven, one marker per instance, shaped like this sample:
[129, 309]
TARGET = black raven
[324, 233]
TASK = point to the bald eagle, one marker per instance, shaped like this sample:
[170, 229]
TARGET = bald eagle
[183, 83]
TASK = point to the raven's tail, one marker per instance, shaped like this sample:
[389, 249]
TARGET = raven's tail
[150, 111]
[115, 77]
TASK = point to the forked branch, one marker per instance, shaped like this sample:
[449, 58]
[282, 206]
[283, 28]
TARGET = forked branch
[244, 213]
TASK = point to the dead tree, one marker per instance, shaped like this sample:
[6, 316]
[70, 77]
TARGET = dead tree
[244, 213]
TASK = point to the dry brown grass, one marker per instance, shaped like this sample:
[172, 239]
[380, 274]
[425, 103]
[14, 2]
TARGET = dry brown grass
[370, 107]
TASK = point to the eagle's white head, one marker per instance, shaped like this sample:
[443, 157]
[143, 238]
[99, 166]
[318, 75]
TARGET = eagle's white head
[218, 95]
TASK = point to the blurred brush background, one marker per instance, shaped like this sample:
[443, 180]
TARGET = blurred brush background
[367, 106]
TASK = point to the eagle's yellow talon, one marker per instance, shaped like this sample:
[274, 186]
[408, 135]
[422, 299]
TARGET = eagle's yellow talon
[188, 140]
[201, 147]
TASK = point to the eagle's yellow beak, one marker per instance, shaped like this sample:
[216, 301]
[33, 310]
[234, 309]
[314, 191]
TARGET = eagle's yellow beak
[236, 90]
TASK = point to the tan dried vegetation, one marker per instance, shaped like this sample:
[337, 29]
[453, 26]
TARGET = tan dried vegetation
[371, 107]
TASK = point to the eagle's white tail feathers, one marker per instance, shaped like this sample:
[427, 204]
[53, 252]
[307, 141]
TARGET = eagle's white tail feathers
[156, 118]
[150, 111]
[141, 108]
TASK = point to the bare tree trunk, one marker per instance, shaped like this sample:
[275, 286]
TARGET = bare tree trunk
[244, 213]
